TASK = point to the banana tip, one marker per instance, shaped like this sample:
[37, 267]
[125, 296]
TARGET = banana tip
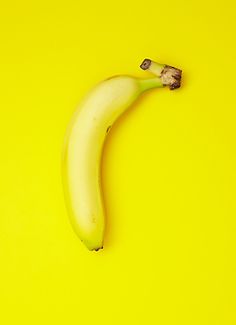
[97, 249]
[171, 77]
[145, 64]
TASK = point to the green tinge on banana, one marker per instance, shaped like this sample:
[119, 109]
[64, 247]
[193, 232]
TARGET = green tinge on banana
[84, 144]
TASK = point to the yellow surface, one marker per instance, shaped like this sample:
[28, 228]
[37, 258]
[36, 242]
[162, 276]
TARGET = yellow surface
[168, 171]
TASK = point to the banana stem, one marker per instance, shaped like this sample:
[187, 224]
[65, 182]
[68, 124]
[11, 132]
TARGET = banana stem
[169, 76]
[147, 84]
[153, 67]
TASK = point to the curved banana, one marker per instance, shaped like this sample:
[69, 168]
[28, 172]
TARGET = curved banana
[84, 144]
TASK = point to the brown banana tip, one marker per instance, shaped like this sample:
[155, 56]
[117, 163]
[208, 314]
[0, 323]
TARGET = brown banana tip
[145, 64]
[97, 249]
[171, 77]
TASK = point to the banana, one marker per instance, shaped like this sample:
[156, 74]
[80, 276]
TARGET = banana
[84, 142]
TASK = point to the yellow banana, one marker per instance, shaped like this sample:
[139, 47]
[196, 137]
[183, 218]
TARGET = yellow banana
[84, 144]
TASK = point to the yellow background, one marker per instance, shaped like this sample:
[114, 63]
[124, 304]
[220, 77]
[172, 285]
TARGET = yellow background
[168, 171]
